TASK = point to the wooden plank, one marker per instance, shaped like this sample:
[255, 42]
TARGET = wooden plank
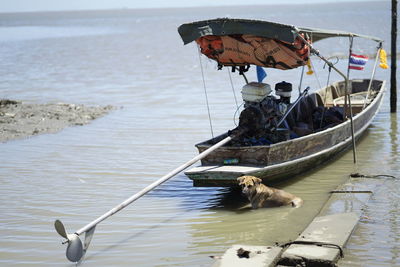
[249, 256]
[332, 230]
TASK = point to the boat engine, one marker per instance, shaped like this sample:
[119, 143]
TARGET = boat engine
[262, 111]
[284, 90]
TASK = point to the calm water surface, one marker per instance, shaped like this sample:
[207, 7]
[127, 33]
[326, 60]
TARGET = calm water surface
[135, 60]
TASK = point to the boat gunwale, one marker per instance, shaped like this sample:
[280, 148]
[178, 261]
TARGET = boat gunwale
[221, 175]
[302, 138]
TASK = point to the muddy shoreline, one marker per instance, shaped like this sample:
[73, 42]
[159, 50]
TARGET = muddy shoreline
[20, 120]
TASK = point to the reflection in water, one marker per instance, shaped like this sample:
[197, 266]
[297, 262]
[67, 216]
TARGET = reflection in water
[394, 212]
[376, 240]
[394, 139]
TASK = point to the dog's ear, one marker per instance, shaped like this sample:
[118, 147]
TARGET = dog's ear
[240, 179]
[257, 180]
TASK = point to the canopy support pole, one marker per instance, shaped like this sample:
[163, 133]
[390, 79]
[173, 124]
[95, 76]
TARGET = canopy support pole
[316, 52]
[346, 97]
[372, 76]
[301, 79]
[349, 88]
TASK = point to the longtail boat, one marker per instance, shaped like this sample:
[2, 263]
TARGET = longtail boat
[277, 139]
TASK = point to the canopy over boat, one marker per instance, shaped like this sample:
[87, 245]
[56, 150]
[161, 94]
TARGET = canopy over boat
[240, 42]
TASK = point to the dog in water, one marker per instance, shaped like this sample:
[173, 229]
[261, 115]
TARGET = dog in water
[261, 196]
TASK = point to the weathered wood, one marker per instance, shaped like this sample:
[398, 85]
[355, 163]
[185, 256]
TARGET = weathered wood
[288, 158]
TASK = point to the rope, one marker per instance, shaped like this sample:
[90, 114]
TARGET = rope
[234, 95]
[205, 93]
[234, 115]
[233, 89]
[326, 93]
[359, 175]
[327, 83]
[316, 75]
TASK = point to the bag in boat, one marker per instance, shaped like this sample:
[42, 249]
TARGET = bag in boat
[239, 50]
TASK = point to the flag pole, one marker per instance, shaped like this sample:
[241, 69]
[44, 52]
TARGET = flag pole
[347, 97]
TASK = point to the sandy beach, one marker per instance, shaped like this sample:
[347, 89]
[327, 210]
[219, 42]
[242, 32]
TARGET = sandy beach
[20, 120]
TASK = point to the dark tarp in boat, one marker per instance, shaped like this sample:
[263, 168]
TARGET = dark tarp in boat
[239, 42]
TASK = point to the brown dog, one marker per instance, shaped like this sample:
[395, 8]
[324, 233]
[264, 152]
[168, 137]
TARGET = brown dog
[261, 196]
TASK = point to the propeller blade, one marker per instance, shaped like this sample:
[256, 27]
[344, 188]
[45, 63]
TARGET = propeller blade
[88, 237]
[60, 229]
[75, 248]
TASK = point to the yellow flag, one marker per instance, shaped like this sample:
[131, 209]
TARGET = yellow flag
[383, 60]
[310, 71]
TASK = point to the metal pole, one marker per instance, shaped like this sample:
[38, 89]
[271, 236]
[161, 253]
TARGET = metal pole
[393, 81]
[76, 249]
[373, 75]
[316, 52]
[301, 79]
[349, 89]
[350, 51]
[346, 96]
[292, 107]
[156, 183]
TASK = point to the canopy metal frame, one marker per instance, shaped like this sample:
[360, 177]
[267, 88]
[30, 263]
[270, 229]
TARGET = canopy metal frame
[283, 32]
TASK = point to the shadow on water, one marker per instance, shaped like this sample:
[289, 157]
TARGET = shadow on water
[191, 199]
[229, 198]
[133, 236]
[201, 198]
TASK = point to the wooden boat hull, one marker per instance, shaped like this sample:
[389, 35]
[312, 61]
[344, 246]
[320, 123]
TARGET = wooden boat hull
[286, 159]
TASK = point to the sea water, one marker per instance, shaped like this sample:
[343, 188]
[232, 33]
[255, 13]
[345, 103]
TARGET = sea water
[136, 61]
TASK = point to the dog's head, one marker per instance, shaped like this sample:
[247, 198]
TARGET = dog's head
[248, 183]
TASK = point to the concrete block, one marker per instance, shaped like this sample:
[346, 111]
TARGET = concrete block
[249, 256]
[331, 229]
[349, 197]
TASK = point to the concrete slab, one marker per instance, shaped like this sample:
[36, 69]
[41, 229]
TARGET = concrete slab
[349, 197]
[334, 225]
[249, 256]
[332, 229]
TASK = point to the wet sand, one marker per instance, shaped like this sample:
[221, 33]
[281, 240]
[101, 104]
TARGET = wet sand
[20, 120]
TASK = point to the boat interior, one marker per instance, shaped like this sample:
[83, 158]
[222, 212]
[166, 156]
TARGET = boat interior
[314, 112]
[332, 98]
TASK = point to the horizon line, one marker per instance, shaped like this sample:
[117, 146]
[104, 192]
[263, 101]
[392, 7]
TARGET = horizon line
[191, 6]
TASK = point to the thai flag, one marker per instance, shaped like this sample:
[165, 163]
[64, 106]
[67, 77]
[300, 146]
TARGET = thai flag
[357, 62]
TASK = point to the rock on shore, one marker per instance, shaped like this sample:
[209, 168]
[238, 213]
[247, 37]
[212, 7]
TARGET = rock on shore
[19, 120]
